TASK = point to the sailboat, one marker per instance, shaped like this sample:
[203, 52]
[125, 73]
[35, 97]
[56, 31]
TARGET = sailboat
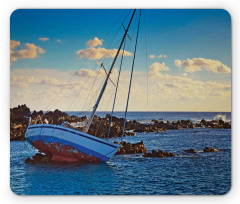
[70, 145]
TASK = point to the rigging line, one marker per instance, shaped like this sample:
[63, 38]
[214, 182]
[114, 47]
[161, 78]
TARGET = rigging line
[116, 89]
[118, 20]
[105, 109]
[84, 82]
[89, 91]
[105, 37]
[107, 74]
[58, 98]
[113, 38]
[130, 84]
[80, 92]
[96, 78]
[106, 55]
[85, 62]
[146, 50]
[90, 105]
[57, 93]
[97, 90]
[96, 93]
[110, 98]
[79, 95]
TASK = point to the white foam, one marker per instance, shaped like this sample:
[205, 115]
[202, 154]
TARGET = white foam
[220, 117]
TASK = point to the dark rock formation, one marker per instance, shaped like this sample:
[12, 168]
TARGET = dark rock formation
[158, 153]
[128, 148]
[190, 151]
[99, 126]
[20, 112]
[210, 149]
[130, 133]
[18, 122]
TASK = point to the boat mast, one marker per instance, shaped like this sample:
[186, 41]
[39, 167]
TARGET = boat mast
[105, 83]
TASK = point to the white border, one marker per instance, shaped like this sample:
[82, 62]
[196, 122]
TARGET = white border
[10, 5]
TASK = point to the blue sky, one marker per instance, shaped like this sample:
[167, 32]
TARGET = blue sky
[177, 34]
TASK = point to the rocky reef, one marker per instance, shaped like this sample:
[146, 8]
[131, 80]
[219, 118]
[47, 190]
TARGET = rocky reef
[126, 148]
[99, 126]
[158, 153]
[192, 151]
[18, 122]
[180, 124]
[129, 148]
[210, 149]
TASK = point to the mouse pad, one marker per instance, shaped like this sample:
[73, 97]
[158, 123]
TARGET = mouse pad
[120, 102]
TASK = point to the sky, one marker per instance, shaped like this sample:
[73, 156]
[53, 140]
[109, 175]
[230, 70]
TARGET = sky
[183, 59]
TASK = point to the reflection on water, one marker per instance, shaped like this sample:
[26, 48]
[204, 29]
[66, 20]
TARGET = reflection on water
[200, 173]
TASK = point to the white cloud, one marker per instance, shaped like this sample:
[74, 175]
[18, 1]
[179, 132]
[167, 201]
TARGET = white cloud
[166, 91]
[51, 81]
[19, 81]
[14, 44]
[192, 69]
[43, 39]
[178, 63]
[95, 42]
[156, 68]
[194, 93]
[159, 56]
[196, 64]
[31, 51]
[87, 73]
[98, 53]
[162, 56]
[31, 79]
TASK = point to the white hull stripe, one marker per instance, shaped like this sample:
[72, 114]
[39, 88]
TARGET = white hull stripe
[82, 135]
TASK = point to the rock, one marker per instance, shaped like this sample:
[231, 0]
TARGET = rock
[18, 122]
[128, 148]
[190, 151]
[158, 153]
[227, 125]
[210, 149]
[19, 126]
[20, 112]
[203, 122]
[99, 126]
[130, 133]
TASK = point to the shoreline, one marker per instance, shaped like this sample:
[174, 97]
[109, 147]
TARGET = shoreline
[100, 125]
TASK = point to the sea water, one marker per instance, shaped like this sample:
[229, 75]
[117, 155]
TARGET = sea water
[191, 174]
[147, 117]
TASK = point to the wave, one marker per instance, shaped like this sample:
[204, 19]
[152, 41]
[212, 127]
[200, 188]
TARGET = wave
[220, 117]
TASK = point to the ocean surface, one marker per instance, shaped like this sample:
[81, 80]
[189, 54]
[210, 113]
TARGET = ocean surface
[188, 174]
[146, 117]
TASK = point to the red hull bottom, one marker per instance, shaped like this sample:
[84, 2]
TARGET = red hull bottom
[56, 158]
[63, 153]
